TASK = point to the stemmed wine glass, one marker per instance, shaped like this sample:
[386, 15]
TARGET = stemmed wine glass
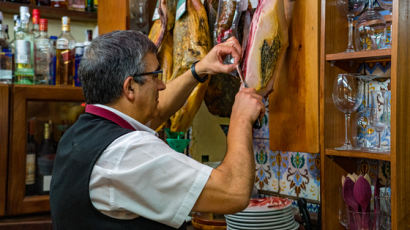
[350, 8]
[371, 29]
[379, 121]
[347, 96]
[387, 5]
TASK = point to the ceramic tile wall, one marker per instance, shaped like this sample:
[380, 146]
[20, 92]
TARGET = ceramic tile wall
[293, 174]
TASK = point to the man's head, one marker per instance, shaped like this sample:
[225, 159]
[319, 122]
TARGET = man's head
[109, 61]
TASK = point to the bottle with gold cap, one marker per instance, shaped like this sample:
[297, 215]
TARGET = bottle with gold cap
[65, 55]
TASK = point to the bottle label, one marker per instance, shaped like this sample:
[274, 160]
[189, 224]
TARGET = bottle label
[23, 52]
[46, 183]
[30, 168]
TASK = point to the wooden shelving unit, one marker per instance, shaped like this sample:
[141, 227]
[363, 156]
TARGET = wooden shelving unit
[358, 154]
[335, 163]
[50, 12]
[360, 56]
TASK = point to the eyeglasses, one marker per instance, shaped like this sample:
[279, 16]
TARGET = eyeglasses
[155, 73]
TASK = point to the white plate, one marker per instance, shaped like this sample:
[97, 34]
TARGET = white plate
[293, 226]
[260, 220]
[286, 223]
[267, 213]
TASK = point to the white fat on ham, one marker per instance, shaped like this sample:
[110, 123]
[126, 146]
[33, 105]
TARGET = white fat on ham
[267, 44]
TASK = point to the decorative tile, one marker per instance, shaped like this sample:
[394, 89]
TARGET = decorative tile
[302, 177]
[266, 166]
[263, 132]
[380, 69]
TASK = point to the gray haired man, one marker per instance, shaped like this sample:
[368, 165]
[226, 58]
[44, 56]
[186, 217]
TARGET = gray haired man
[112, 171]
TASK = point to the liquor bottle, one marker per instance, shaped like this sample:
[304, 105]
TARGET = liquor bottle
[42, 55]
[65, 47]
[6, 58]
[36, 28]
[79, 52]
[90, 6]
[59, 3]
[88, 38]
[24, 50]
[31, 159]
[53, 63]
[45, 160]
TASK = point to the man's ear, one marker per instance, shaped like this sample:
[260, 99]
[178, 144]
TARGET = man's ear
[128, 88]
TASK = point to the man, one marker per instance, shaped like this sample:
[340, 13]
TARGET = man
[111, 170]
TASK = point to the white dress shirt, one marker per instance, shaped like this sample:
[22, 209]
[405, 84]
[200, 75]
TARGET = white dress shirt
[138, 174]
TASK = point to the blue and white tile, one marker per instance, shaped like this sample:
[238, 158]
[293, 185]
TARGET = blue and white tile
[302, 177]
[265, 164]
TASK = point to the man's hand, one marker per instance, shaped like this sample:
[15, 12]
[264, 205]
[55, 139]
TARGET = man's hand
[212, 63]
[248, 106]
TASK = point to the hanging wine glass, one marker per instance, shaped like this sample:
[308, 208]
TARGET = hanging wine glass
[350, 8]
[379, 120]
[370, 29]
[347, 96]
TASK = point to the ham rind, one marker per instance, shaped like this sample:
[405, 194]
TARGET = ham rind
[266, 48]
[191, 43]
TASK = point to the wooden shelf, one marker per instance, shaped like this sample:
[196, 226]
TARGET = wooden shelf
[360, 56]
[50, 12]
[358, 154]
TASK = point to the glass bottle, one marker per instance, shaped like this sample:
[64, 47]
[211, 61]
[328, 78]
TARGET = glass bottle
[6, 58]
[53, 63]
[65, 55]
[370, 29]
[36, 28]
[43, 55]
[43, 2]
[79, 52]
[45, 160]
[90, 6]
[24, 50]
[31, 159]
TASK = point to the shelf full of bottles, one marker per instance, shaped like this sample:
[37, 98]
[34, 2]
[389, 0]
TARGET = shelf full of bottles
[32, 57]
[79, 10]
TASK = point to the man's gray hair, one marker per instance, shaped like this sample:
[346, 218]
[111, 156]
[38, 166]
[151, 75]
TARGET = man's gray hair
[109, 60]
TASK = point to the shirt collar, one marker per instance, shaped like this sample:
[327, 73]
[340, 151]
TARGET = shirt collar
[134, 123]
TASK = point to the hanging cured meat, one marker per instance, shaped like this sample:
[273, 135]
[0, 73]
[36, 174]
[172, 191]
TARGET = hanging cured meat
[267, 43]
[166, 11]
[191, 43]
[222, 88]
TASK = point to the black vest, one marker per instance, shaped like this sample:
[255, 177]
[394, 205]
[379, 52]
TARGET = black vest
[77, 153]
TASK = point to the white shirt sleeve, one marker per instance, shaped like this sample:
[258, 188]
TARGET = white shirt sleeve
[140, 175]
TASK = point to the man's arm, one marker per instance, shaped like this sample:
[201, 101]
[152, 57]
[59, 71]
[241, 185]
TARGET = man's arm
[230, 185]
[178, 90]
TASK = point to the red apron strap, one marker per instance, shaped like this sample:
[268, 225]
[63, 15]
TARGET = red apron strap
[107, 114]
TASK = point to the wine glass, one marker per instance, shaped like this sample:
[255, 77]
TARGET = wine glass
[347, 96]
[370, 29]
[379, 120]
[350, 8]
[387, 5]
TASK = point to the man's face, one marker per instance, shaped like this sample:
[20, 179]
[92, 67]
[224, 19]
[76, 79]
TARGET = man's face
[147, 101]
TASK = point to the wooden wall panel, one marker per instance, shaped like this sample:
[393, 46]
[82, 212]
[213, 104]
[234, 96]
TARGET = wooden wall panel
[114, 14]
[4, 138]
[294, 104]
[400, 127]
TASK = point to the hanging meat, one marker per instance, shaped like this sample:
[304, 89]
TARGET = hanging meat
[267, 44]
[191, 43]
[222, 88]
[166, 10]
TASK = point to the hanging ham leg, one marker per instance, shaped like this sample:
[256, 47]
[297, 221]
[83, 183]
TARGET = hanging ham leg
[267, 44]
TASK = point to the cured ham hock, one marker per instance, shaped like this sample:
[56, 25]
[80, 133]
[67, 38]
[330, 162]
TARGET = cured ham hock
[266, 47]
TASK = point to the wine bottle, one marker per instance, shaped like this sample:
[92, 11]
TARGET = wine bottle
[31, 159]
[45, 160]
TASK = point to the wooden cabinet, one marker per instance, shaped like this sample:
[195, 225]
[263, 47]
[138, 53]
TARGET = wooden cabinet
[4, 128]
[57, 103]
[335, 163]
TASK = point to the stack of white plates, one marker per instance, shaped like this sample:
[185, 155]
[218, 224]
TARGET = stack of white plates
[268, 213]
